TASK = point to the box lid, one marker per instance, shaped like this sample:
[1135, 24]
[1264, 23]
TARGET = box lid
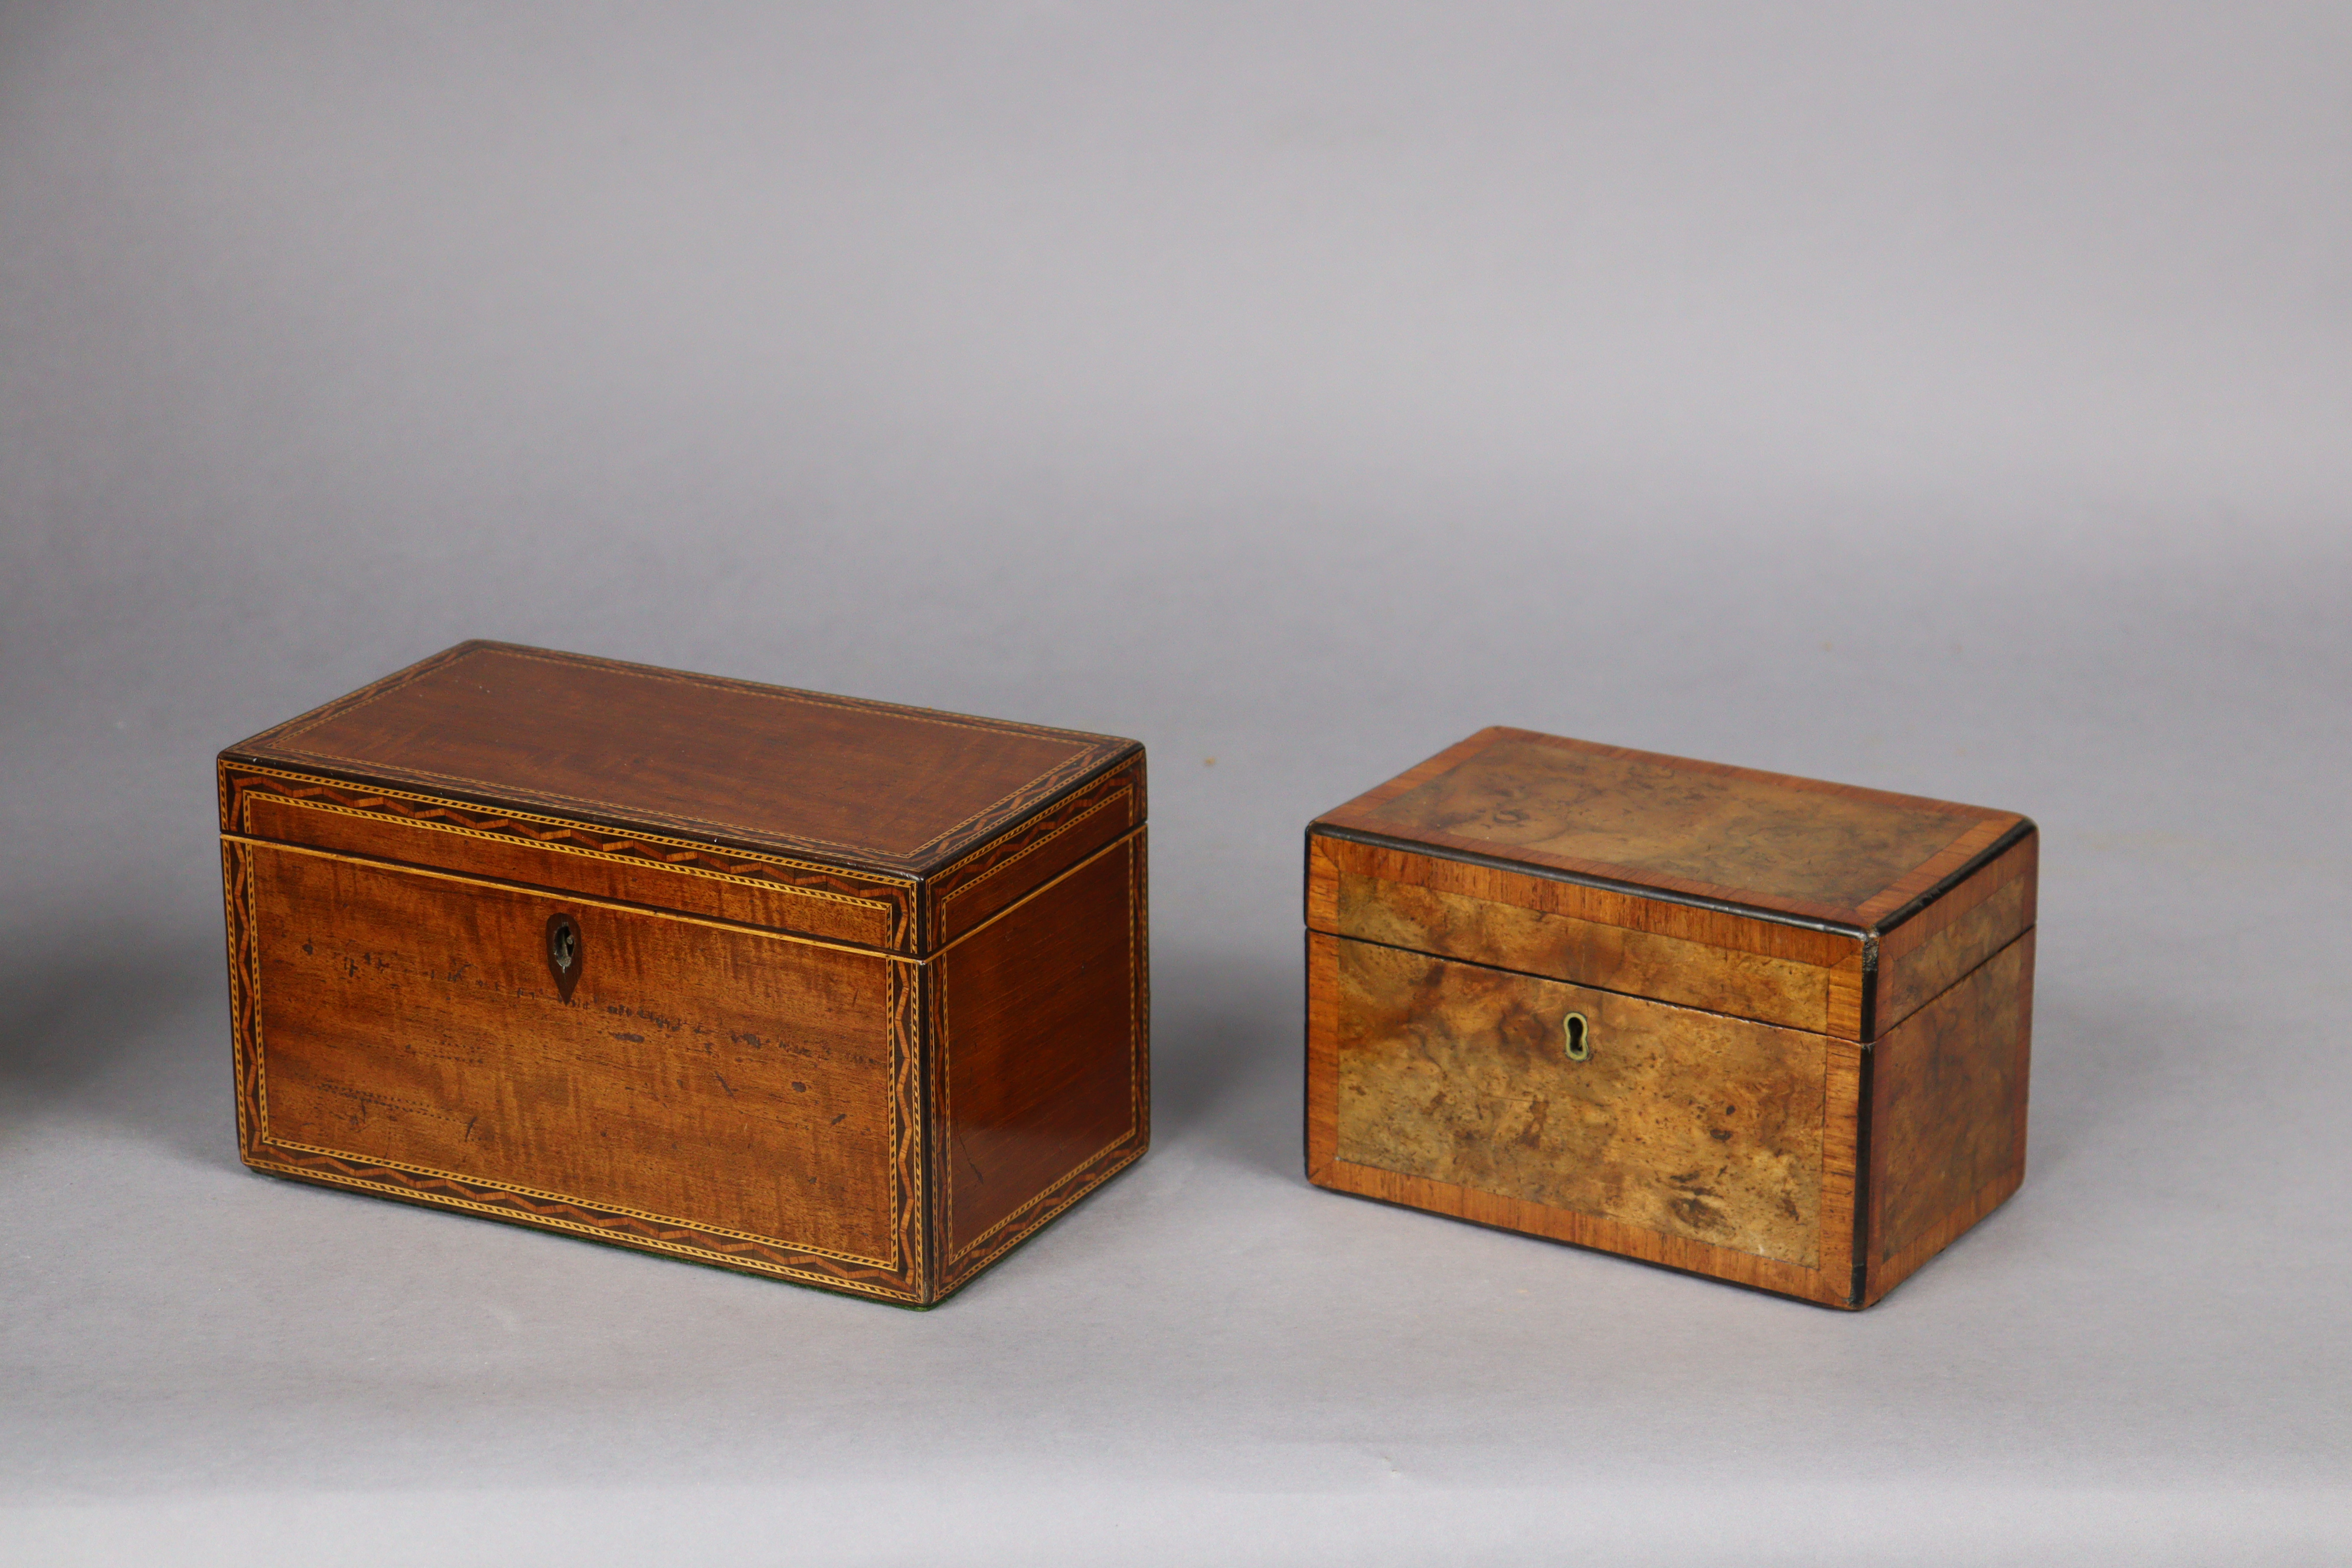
[1795, 848]
[880, 789]
[1785, 901]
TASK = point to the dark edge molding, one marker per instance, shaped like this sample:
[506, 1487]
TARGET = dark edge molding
[1866, 1025]
[2002, 846]
[1857, 1291]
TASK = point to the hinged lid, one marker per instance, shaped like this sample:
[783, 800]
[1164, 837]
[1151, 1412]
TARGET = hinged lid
[1790, 871]
[784, 779]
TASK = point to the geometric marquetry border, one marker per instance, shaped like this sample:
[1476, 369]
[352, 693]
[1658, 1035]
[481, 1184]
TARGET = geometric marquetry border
[239, 781]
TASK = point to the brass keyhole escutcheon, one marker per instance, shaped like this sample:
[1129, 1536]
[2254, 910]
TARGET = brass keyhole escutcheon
[1577, 1030]
[564, 953]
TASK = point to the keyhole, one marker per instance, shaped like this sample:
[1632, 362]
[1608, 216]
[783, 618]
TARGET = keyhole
[1578, 1031]
[563, 953]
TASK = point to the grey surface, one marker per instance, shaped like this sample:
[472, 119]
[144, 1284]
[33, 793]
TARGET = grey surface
[1949, 399]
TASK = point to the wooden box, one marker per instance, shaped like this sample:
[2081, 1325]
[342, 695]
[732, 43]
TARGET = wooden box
[1758, 1027]
[839, 992]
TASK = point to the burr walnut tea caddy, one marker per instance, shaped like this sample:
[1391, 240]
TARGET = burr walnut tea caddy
[835, 991]
[1758, 1027]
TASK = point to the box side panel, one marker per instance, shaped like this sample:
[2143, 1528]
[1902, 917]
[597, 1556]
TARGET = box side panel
[1947, 1115]
[1682, 1138]
[1792, 976]
[1920, 959]
[998, 875]
[560, 854]
[1041, 1072]
[724, 1095]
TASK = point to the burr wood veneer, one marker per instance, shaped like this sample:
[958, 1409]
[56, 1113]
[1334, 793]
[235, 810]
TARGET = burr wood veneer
[1759, 1028]
[839, 992]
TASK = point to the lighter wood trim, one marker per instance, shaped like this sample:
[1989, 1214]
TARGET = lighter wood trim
[244, 1007]
[1455, 1202]
[1841, 1103]
[1845, 988]
[598, 1233]
[1937, 948]
[1127, 837]
[378, 1162]
[1936, 867]
[1322, 884]
[1322, 1055]
[1421, 772]
[1101, 1167]
[1125, 792]
[788, 889]
[2019, 861]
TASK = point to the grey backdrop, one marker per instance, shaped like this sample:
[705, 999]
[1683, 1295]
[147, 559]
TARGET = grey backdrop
[1948, 399]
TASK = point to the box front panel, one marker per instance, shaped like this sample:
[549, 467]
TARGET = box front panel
[722, 1093]
[1668, 1133]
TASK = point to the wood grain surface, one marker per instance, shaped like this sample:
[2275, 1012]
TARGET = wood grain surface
[1042, 1065]
[1948, 1114]
[697, 1075]
[1818, 851]
[419, 828]
[1927, 953]
[739, 894]
[730, 762]
[1642, 963]
[966, 895]
[1725, 960]
[1687, 1123]
[1828, 1281]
